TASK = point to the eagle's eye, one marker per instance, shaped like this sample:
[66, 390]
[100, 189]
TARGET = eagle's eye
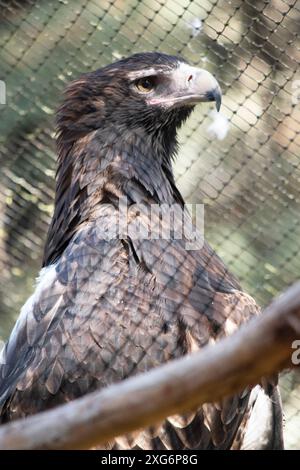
[146, 84]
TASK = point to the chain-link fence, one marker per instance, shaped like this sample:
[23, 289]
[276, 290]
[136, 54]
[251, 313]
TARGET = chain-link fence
[243, 163]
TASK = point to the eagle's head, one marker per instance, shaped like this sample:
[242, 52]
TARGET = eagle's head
[151, 93]
[118, 126]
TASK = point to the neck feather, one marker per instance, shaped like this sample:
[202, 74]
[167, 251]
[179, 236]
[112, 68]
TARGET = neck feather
[101, 167]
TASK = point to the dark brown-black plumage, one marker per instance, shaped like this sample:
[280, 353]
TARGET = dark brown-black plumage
[107, 308]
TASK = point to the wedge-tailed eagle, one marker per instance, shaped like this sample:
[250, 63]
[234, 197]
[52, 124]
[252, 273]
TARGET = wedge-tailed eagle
[109, 305]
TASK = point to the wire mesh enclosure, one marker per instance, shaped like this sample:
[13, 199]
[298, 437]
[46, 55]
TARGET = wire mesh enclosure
[242, 163]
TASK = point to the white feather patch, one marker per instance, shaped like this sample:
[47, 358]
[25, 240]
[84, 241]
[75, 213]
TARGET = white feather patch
[259, 426]
[46, 277]
[219, 127]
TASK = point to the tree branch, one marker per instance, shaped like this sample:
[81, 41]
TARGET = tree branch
[260, 348]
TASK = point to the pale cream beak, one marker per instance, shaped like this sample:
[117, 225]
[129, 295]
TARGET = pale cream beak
[189, 86]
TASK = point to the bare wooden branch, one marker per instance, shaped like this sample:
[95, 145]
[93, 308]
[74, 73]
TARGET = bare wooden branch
[260, 348]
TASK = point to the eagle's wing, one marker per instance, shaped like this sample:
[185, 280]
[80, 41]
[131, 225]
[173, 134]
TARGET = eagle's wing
[87, 326]
[112, 308]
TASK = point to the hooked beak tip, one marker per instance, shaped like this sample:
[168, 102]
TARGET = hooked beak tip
[215, 95]
[218, 100]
